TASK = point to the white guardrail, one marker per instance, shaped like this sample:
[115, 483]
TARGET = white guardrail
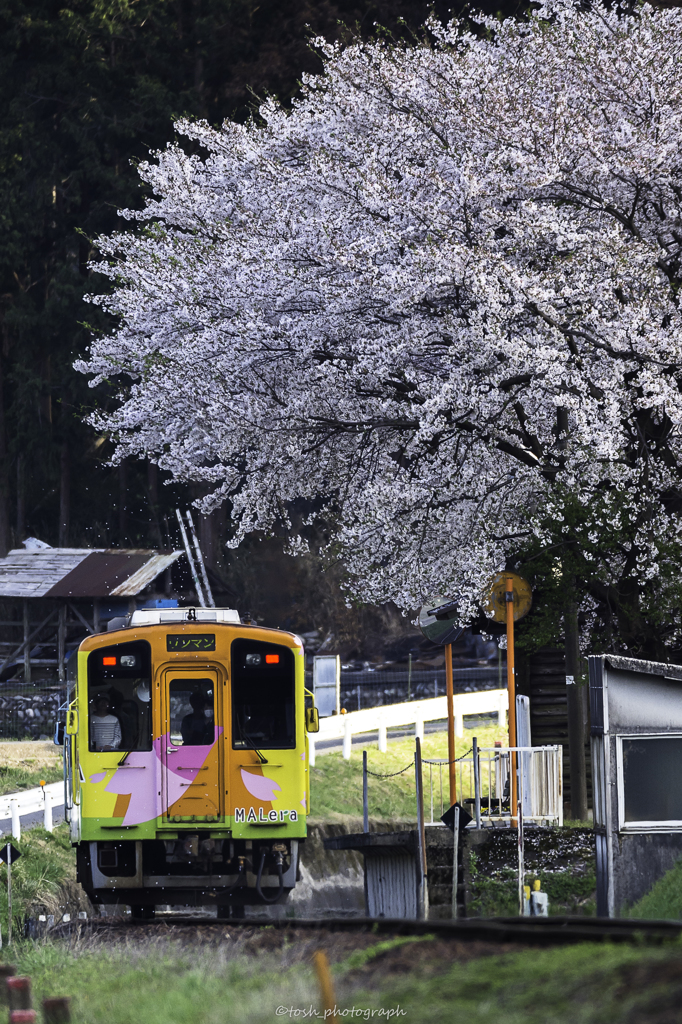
[411, 712]
[31, 801]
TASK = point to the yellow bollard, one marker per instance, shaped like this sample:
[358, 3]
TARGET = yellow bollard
[526, 901]
[326, 984]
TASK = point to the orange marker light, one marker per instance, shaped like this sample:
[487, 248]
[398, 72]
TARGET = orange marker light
[108, 661]
[272, 659]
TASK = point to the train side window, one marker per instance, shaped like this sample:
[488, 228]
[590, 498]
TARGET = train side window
[263, 703]
[119, 697]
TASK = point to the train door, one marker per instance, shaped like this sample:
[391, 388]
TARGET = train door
[190, 752]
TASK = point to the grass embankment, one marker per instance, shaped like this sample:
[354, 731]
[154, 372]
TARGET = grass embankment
[242, 977]
[664, 899]
[336, 785]
[44, 879]
[24, 764]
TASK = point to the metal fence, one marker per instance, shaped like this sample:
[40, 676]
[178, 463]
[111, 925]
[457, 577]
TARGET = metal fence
[373, 689]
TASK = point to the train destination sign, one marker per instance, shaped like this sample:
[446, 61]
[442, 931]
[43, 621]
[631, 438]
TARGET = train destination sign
[190, 641]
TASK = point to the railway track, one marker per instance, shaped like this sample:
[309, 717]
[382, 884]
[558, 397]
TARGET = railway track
[527, 931]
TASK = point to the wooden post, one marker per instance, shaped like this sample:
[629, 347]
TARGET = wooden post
[455, 864]
[19, 993]
[365, 804]
[423, 906]
[27, 645]
[9, 911]
[6, 971]
[577, 713]
[522, 868]
[511, 689]
[61, 641]
[449, 689]
[326, 984]
[477, 783]
[57, 1010]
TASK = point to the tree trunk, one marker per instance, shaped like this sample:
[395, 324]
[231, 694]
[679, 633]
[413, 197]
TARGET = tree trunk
[21, 498]
[576, 700]
[64, 495]
[211, 530]
[122, 502]
[153, 498]
[4, 476]
[208, 539]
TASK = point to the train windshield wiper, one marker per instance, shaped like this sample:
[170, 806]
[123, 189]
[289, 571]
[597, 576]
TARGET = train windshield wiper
[245, 741]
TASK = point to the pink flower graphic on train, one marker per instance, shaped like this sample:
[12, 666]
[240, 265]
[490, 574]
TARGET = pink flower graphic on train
[140, 777]
[260, 786]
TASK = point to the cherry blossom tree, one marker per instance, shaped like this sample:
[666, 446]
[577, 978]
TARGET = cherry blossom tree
[435, 304]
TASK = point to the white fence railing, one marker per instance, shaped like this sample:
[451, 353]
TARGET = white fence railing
[540, 784]
[31, 801]
[415, 712]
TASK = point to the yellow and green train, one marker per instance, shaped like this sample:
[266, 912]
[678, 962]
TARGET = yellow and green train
[186, 749]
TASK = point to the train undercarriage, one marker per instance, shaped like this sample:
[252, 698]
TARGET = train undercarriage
[192, 870]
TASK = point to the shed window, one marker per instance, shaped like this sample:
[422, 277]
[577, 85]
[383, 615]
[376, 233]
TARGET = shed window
[652, 779]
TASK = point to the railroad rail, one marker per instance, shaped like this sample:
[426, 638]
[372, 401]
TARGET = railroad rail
[540, 931]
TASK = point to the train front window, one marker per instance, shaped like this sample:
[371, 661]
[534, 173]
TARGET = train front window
[263, 707]
[119, 697]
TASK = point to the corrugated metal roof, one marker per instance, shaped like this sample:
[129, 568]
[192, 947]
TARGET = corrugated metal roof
[145, 574]
[99, 574]
[80, 572]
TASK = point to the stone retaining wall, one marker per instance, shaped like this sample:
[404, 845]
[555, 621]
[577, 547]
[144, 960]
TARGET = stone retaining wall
[30, 714]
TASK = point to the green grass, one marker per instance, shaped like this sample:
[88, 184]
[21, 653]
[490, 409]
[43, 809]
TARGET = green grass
[583, 984]
[568, 893]
[44, 879]
[14, 778]
[195, 984]
[560, 859]
[24, 764]
[336, 785]
[664, 899]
